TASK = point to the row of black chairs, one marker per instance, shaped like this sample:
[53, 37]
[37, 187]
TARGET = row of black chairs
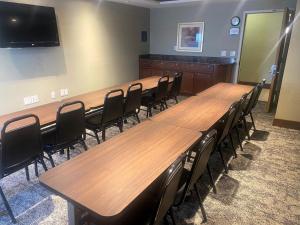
[178, 182]
[26, 145]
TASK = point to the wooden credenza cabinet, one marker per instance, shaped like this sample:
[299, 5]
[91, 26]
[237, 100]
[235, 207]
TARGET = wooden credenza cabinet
[199, 73]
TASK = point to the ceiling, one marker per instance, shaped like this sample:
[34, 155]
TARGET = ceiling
[164, 3]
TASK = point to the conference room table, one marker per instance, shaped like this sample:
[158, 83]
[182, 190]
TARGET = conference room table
[203, 111]
[107, 178]
[47, 113]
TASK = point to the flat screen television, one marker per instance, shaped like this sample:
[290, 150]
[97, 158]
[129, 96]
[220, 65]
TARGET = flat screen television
[23, 25]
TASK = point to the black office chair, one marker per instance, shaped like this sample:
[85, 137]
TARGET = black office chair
[237, 119]
[133, 101]
[110, 115]
[68, 131]
[20, 147]
[251, 104]
[158, 98]
[175, 88]
[224, 132]
[190, 178]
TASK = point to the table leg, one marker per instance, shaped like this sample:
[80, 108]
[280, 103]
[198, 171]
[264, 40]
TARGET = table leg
[74, 214]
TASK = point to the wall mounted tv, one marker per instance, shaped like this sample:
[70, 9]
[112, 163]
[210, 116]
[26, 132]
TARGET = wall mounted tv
[23, 25]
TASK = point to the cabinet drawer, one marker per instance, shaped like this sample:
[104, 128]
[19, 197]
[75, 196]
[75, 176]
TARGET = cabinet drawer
[202, 68]
[145, 63]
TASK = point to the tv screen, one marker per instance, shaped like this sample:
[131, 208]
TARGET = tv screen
[23, 25]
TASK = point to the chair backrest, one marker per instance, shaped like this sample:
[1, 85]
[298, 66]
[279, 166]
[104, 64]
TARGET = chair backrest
[70, 122]
[176, 86]
[133, 98]
[20, 145]
[228, 121]
[250, 101]
[260, 87]
[203, 153]
[161, 91]
[239, 110]
[113, 106]
[169, 189]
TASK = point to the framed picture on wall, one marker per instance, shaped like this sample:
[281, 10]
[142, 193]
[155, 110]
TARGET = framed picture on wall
[190, 37]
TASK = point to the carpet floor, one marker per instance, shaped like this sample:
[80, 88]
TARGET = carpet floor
[262, 186]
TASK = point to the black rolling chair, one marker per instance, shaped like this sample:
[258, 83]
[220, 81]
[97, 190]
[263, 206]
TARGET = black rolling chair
[110, 115]
[20, 147]
[153, 205]
[175, 88]
[133, 101]
[189, 179]
[224, 132]
[159, 96]
[251, 104]
[68, 131]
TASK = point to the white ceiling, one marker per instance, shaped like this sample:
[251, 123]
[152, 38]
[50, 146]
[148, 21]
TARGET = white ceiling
[156, 4]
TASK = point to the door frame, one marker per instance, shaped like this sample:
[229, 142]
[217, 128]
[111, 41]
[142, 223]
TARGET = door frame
[243, 26]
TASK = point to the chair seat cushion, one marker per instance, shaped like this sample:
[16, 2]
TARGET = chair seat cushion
[93, 121]
[49, 138]
[147, 99]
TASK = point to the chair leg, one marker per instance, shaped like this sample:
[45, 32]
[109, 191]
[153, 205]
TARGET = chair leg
[201, 204]
[97, 137]
[232, 145]
[137, 118]
[27, 173]
[36, 170]
[7, 207]
[51, 159]
[223, 160]
[211, 179]
[165, 102]
[120, 125]
[82, 142]
[150, 111]
[103, 134]
[68, 153]
[246, 129]
[239, 137]
[43, 163]
[172, 214]
[252, 119]
[176, 99]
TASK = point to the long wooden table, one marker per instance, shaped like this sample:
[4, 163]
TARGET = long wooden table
[108, 177]
[202, 112]
[47, 113]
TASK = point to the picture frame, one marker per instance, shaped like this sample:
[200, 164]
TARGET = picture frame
[190, 37]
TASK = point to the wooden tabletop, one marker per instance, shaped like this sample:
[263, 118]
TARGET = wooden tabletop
[108, 177]
[47, 113]
[202, 112]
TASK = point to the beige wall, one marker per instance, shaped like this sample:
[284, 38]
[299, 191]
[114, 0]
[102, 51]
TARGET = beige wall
[289, 100]
[100, 45]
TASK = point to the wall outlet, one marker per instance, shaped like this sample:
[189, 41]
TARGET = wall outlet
[64, 92]
[232, 53]
[29, 100]
[223, 53]
[53, 94]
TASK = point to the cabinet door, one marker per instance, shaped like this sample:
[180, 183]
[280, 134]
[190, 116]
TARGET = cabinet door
[187, 86]
[202, 82]
[157, 72]
[145, 72]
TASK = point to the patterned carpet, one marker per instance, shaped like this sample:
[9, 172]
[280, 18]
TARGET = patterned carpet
[262, 187]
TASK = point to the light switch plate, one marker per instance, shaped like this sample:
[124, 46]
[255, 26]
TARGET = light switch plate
[53, 94]
[223, 53]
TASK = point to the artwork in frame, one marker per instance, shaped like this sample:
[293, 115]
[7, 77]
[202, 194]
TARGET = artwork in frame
[190, 37]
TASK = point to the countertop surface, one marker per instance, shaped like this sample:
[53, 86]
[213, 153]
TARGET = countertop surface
[190, 59]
